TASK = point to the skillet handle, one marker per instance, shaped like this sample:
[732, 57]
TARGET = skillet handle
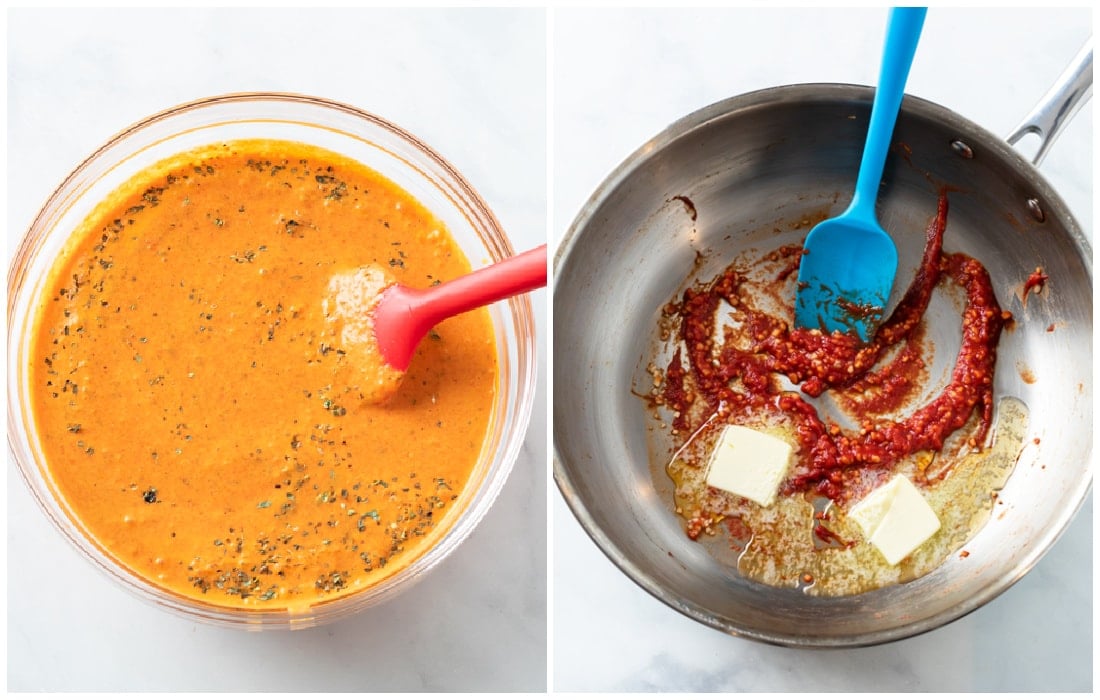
[1061, 102]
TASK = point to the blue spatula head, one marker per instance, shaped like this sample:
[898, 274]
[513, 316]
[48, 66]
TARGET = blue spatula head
[849, 262]
[845, 277]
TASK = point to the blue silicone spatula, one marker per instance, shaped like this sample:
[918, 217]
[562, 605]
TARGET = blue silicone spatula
[849, 262]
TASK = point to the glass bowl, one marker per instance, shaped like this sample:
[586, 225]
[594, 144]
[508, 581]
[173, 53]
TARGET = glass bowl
[371, 140]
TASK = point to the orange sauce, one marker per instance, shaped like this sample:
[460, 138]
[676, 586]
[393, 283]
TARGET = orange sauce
[204, 421]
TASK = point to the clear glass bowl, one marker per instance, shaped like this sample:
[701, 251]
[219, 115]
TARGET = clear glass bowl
[380, 145]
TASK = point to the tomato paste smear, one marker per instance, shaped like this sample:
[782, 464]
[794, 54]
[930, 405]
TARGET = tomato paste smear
[1035, 282]
[738, 383]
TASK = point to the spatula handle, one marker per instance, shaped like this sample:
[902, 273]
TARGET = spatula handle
[902, 34]
[509, 277]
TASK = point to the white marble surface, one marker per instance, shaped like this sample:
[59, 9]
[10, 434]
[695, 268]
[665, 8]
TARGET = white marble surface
[76, 77]
[620, 77]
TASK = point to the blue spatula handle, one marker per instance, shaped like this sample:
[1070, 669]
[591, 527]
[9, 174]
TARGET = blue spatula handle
[902, 33]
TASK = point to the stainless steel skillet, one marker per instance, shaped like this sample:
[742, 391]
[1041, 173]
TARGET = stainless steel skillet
[756, 170]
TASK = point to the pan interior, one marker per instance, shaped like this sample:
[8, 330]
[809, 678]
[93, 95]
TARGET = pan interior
[756, 172]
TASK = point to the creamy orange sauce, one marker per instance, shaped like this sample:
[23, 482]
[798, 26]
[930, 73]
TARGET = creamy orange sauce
[348, 307]
[203, 417]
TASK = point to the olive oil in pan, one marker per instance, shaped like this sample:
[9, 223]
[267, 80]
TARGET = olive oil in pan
[809, 543]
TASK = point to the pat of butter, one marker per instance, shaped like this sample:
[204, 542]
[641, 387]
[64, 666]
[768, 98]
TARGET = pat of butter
[896, 518]
[749, 463]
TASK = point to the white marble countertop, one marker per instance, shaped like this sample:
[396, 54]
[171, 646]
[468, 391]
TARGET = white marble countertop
[620, 77]
[75, 78]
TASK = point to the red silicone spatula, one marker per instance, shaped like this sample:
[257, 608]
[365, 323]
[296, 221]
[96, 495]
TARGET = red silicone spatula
[404, 315]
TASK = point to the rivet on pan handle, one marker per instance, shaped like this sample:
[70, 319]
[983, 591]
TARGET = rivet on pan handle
[1061, 102]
